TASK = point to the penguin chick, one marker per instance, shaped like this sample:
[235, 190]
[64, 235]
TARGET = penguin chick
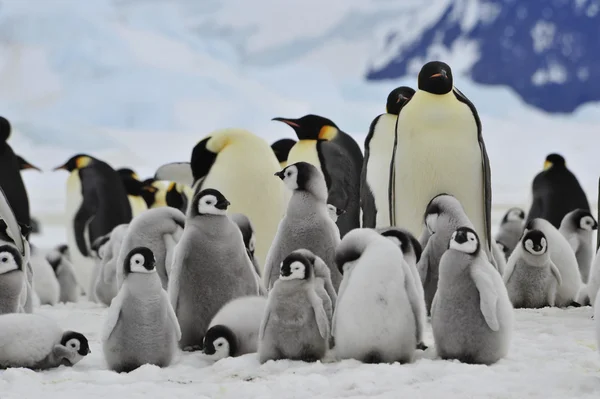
[379, 312]
[37, 342]
[443, 215]
[334, 212]
[589, 292]
[106, 287]
[158, 229]
[234, 329]
[510, 231]
[141, 326]
[295, 324]
[210, 267]
[563, 257]
[45, 283]
[578, 228]
[12, 279]
[65, 275]
[306, 223]
[597, 319]
[247, 229]
[531, 278]
[411, 255]
[471, 317]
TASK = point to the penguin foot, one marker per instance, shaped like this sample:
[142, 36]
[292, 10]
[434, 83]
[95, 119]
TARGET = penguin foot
[575, 304]
[422, 346]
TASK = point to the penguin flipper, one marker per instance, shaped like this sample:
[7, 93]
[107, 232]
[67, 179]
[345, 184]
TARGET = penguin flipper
[12, 225]
[171, 314]
[174, 275]
[84, 216]
[416, 302]
[179, 172]
[510, 268]
[265, 321]
[367, 200]
[556, 273]
[487, 173]
[320, 315]
[113, 314]
[488, 297]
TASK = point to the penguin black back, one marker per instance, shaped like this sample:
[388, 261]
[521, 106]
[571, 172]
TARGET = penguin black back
[556, 192]
[10, 177]
[202, 160]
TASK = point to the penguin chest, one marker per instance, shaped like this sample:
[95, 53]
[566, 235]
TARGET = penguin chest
[306, 151]
[74, 194]
[438, 152]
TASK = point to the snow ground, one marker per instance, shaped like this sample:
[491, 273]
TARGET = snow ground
[553, 355]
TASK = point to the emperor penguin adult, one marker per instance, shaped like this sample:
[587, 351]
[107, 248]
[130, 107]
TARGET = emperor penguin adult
[510, 231]
[578, 228]
[10, 178]
[141, 326]
[282, 148]
[441, 150]
[158, 229]
[562, 255]
[472, 317]
[379, 312]
[306, 223]
[96, 203]
[135, 189]
[210, 267]
[556, 192]
[235, 162]
[377, 177]
[338, 157]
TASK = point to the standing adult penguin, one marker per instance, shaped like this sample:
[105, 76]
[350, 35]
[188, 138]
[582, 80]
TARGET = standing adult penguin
[556, 192]
[578, 228]
[236, 162]
[141, 326]
[472, 318]
[338, 156]
[282, 148]
[377, 177]
[96, 203]
[306, 223]
[441, 150]
[135, 191]
[10, 178]
[210, 267]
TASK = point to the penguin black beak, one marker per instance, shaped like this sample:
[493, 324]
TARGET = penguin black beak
[89, 351]
[61, 167]
[461, 237]
[339, 211]
[222, 205]
[280, 174]
[30, 166]
[442, 74]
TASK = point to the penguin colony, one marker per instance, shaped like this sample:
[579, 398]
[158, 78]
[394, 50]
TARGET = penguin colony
[309, 251]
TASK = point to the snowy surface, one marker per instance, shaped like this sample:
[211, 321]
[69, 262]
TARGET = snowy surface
[553, 355]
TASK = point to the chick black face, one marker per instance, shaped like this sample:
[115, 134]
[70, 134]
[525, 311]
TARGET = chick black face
[211, 202]
[140, 260]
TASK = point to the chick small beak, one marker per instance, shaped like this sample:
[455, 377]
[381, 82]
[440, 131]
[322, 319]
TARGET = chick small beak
[279, 174]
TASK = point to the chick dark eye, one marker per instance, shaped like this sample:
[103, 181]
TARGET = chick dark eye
[220, 345]
[73, 345]
[4, 260]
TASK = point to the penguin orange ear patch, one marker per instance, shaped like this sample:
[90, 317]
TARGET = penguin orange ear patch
[327, 133]
[82, 162]
[547, 165]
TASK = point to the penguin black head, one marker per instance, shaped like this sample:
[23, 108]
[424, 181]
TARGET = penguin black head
[436, 78]
[139, 260]
[76, 162]
[175, 198]
[296, 176]
[76, 342]
[130, 179]
[312, 127]
[53, 259]
[10, 259]
[534, 242]
[24, 165]
[296, 266]
[405, 241]
[202, 160]
[282, 148]
[98, 243]
[432, 211]
[465, 239]
[5, 130]
[583, 219]
[502, 248]
[211, 202]
[555, 161]
[149, 192]
[220, 342]
[62, 248]
[514, 215]
[398, 98]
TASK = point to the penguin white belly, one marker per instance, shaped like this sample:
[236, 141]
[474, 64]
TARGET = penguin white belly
[438, 152]
[247, 179]
[83, 266]
[378, 167]
[45, 282]
[305, 150]
[160, 198]
[137, 204]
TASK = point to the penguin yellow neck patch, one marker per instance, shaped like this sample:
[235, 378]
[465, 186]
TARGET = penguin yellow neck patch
[82, 162]
[547, 165]
[328, 133]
